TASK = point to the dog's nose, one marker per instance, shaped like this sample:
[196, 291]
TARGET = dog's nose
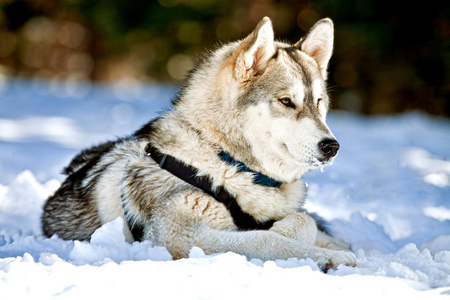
[328, 148]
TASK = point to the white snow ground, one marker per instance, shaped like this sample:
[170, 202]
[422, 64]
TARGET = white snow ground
[388, 195]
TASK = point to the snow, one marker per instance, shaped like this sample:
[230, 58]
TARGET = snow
[387, 194]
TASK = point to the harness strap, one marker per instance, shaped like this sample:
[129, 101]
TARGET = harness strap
[188, 174]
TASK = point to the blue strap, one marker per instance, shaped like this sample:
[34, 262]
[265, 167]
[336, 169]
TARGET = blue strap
[258, 178]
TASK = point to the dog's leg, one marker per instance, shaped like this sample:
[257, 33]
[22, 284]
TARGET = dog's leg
[303, 228]
[326, 241]
[297, 226]
[268, 245]
[183, 224]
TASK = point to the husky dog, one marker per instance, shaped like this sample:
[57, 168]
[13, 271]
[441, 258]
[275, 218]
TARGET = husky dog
[222, 169]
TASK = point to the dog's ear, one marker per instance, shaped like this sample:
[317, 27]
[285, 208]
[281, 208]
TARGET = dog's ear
[254, 51]
[318, 43]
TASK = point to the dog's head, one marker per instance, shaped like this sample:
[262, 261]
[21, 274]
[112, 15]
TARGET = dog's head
[266, 101]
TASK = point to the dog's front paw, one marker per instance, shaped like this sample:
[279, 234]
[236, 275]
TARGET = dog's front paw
[297, 226]
[331, 259]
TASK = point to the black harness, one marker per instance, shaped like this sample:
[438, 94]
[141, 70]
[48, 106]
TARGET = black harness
[189, 174]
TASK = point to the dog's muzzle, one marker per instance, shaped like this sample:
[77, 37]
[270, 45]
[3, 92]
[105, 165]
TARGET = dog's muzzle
[328, 149]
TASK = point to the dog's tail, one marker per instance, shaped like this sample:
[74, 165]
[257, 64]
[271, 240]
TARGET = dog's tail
[87, 156]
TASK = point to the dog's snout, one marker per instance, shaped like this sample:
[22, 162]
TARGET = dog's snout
[328, 148]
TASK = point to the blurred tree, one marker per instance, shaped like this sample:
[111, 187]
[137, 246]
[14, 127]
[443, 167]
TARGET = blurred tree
[390, 56]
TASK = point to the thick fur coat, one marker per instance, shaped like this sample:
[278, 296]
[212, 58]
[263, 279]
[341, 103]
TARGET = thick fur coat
[262, 101]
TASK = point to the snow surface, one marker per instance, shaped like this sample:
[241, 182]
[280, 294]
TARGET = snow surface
[387, 194]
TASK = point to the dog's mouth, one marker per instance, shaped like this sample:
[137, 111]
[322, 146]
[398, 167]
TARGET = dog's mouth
[313, 162]
[306, 159]
[317, 163]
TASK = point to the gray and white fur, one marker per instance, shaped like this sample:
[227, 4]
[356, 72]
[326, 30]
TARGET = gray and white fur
[262, 101]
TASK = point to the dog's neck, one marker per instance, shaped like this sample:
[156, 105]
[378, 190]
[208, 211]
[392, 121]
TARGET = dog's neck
[258, 178]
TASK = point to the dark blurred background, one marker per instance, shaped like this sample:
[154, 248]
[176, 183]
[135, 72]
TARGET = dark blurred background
[390, 56]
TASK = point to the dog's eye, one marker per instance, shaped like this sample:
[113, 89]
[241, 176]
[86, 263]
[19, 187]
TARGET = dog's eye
[286, 101]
